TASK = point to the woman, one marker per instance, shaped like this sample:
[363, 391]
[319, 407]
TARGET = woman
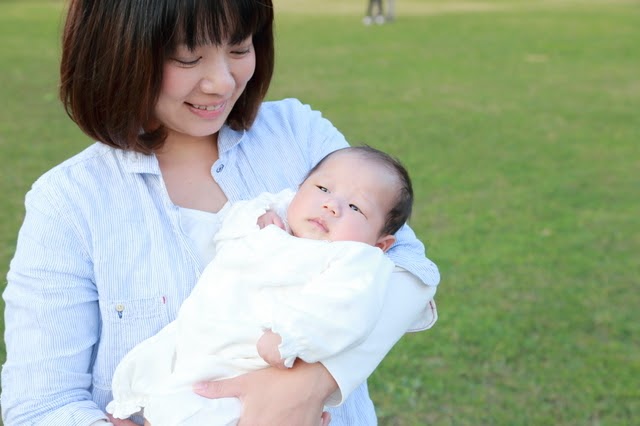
[115, 238]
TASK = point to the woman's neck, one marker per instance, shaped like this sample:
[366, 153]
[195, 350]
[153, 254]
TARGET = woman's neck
[186, 169]
[179, 149]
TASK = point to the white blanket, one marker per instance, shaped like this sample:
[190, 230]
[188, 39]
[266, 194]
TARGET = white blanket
[321, 297]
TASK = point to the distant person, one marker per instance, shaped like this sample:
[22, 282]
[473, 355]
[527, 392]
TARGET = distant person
[310, 287]
[391, 10]
[370, 18]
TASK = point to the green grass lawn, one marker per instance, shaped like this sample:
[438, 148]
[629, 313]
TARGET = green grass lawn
[520, 124]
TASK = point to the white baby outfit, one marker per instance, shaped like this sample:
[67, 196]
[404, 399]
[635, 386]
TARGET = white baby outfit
[321, 297]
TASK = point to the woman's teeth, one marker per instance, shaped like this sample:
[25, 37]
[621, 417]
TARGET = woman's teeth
[207, 108]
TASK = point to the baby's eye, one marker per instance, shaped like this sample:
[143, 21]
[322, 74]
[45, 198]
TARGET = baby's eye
[322, 188]
[355, 208]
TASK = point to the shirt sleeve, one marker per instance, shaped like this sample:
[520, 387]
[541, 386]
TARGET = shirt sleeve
[409, 253]
[52, 323]
[407, 302]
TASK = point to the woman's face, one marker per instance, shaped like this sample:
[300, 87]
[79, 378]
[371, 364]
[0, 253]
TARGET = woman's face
[200, 87]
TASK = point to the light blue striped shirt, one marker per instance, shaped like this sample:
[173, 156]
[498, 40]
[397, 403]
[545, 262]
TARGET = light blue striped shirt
[102, 263]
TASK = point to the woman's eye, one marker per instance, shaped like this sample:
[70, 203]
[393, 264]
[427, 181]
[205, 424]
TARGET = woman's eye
[186, 63]
[243, 47]
[322, 188]
[241, 51]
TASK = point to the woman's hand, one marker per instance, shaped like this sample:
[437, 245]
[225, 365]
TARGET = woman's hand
[270, 396]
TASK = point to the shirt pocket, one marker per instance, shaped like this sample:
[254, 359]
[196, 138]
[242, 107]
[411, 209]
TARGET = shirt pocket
[125, 323]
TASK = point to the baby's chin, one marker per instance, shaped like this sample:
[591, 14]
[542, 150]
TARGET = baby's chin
[310, 235]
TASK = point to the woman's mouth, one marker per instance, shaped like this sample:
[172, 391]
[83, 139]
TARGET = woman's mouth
[207, 107]
[207, 112]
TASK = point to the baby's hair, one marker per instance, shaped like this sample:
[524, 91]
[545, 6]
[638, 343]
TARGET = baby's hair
[401, 209]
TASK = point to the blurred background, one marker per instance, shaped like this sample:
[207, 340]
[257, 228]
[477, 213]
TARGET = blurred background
[519, 121]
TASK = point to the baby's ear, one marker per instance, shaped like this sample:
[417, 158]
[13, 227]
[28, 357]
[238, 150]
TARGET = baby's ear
[385, 242]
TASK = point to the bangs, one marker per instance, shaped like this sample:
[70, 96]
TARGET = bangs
[198, 22]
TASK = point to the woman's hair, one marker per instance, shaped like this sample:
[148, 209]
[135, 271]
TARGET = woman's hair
[401, 209]
[113, 52]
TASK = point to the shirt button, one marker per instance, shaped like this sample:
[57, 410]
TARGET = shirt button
[119, 309]
[220, 167]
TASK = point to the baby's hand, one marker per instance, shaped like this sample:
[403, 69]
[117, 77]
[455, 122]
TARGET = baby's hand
[270, 218]
[268, 349]
[119, 422]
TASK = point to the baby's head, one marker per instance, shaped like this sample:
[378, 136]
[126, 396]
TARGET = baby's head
[353, 194]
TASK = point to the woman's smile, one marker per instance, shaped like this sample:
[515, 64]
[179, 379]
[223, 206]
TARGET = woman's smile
[207, 107]
[208, 112]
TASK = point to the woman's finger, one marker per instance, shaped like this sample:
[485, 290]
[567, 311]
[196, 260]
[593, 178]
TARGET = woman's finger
[220, 388]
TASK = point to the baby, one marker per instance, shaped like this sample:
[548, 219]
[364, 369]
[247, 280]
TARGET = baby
[295, 276]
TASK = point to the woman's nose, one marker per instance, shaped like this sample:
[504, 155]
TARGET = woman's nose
[218, 78]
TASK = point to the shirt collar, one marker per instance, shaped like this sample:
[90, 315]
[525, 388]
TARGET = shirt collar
[228, 138]
[136, 162]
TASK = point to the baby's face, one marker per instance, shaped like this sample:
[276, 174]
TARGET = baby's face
[346, 199]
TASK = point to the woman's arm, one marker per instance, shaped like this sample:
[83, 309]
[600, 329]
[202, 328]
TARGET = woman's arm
[52, 323]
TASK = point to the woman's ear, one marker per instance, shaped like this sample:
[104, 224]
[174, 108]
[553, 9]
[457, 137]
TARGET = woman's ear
[385, 242]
